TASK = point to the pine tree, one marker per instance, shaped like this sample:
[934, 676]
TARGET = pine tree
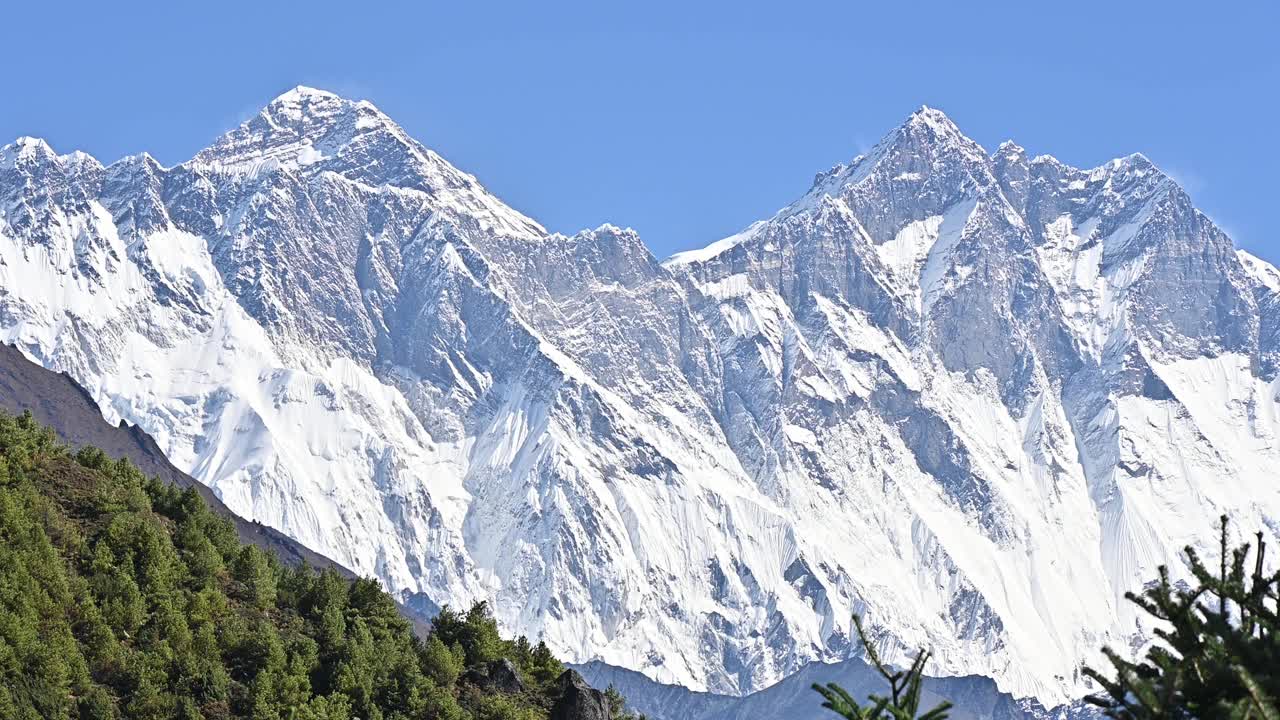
[903, 700]
[1220, 656]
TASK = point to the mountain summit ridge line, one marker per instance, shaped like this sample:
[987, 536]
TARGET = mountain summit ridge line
[973, 396]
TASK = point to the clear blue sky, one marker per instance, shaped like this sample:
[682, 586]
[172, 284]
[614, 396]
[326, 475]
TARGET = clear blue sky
[684, 120]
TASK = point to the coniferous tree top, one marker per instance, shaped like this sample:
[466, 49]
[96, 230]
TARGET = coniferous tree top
[903, 700]
[1219, 651]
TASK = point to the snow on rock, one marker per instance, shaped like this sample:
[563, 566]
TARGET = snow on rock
[974, 397]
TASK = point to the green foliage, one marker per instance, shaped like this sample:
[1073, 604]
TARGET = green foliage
[122, 597]
[903, 700]
[253, 570]
[617, 703]
[474, 641]
[1221, 651]
[618, 706]
[475, 632]
[500, 707]
[446, 664]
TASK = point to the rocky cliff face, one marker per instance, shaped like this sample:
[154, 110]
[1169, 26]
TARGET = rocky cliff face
[973, 396]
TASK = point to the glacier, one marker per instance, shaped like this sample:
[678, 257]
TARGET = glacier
[975, 396]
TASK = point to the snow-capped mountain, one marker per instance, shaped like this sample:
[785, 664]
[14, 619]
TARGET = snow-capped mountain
[974, 396]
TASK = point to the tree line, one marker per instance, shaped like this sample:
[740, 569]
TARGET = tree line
[122, 596]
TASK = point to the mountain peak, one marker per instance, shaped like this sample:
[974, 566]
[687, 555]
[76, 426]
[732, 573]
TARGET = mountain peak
[297, 128]
[934, 119]
[303, 92]
[33, 151]
[306, 107]
[306, 131]
[25, 148]
[138, 162]
[28, 142]
[930, 127]
[1009, 148]
[909, 151]
[932, 114]
[1135, 165]
[302, 100]
[1138, 160]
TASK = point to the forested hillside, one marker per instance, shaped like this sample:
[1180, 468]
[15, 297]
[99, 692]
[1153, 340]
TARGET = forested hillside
[126, 597]
[57, 400]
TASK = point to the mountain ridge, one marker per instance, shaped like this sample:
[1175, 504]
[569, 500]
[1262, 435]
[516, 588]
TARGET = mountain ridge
[939, 355]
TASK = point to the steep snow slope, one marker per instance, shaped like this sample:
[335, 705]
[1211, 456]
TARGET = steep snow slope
[974, 396]
[54, 399]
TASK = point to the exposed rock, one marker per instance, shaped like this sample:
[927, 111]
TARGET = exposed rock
[499, 675]
[578, 700]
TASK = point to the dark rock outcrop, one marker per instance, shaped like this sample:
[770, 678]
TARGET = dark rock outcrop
[498, 676]
[578, 700]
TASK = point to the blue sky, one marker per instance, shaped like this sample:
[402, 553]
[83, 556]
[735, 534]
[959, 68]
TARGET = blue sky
[686, 121]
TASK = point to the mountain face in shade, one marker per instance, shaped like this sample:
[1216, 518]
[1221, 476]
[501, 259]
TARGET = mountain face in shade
[973, 396]
[972, 697]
